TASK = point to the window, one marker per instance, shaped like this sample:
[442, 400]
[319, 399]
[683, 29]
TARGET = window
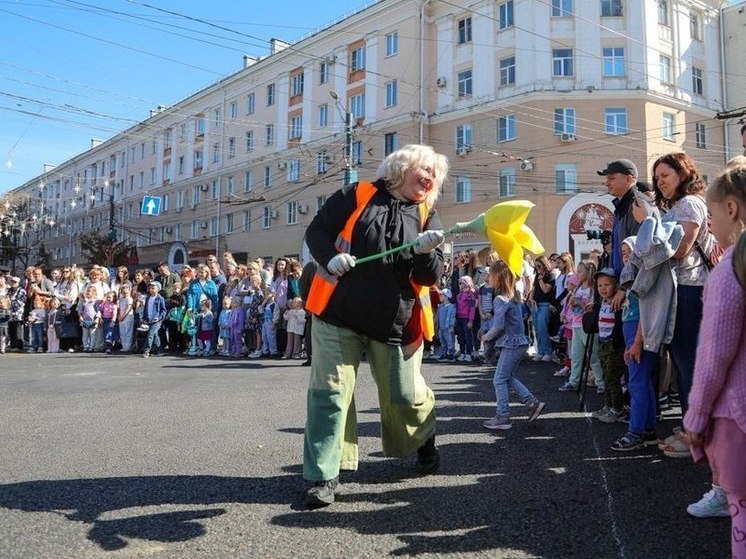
[153, 149]
[507, 71]
[177, 232]
[216, 152]
[697, 81]
[294, 170]
[249, 141]
[464, 30]
[564, 121]
[565, 178]
[152, 175]
[611, 8]
[323, 72]
[213, 226]
[215, 190]
[505, 128]
[229, 223]
[250, 103]
[296, 127]
[615, 120]
[142, 150]
[196, 194]
[694, 30]
[181, 164]
[231, 148]
[463, 189]
[166, 140]
[391, 89]
[507, 182]
[292, 213]
[248, 181]
[357, 153]
[464, 83]
[561, 8]
[180, 199]
[195, 229]
[270, 94]
[246, 218]
[390, 143]
[665, 69]
[167, 171]
[357, 105]
[323, 115]
[199, 127]
[321, 162]
[357, 59]
[562, 62]
[613, 61]
[132, 154]
[269, 134]
[234, 110]
[505, 15]
[669, 123]
[231, 185]
[267, 217]
[320, 201]
[296, 84]
[182, 132]
[164, 205]
[392, 44]
[216, 121]
[663, 12]
[463, 137]
[700, 134]
[267, 176]
[142, 179]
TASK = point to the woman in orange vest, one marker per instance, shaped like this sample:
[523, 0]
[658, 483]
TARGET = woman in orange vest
[380, 308]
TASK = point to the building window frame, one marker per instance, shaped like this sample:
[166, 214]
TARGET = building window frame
[506, 129]
[465, 84]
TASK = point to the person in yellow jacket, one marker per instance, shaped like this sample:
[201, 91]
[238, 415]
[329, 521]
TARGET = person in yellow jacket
[380, 308]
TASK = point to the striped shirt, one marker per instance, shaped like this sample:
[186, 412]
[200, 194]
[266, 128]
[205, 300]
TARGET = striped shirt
[606, 321]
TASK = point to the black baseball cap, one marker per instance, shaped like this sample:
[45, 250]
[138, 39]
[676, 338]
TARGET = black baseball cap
[643, 186]
[623, 166]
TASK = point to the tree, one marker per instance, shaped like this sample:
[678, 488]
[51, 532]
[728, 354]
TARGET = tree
[98, 248]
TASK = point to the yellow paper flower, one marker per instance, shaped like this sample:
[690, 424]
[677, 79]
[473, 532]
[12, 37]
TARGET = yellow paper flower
[504, 225]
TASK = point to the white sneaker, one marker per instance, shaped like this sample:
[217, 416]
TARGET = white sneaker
[713, 504]
[461, 357]
[467, 358]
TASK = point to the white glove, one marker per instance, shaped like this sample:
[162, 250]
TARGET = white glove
[340, 264]
[428, 241]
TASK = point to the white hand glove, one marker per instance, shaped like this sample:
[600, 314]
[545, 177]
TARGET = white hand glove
[340, 264]
[428, 241]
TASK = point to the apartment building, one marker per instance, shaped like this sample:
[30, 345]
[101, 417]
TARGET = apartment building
[528, 98]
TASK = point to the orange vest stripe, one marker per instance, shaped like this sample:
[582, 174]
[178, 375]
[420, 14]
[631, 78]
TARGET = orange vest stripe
[324, 283]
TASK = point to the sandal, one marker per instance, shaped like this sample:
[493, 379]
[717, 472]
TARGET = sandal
[628, 442]
[677, 432]
[679, 448]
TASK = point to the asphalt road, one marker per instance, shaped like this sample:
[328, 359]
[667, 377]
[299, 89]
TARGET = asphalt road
[118, 456]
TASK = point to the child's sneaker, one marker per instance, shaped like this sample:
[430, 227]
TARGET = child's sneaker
[713, 504]
[611, 416]
[598, 413]
[563, 372]
[535, 407]
[627, 442]
[461, 357]
[256, 355]
[568, 387]
[467, 359]
[498, 423]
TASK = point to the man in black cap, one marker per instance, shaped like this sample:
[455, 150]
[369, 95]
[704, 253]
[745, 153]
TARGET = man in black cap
[621, 177]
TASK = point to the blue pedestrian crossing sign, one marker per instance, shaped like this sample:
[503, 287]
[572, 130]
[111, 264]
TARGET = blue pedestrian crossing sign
[151, 205]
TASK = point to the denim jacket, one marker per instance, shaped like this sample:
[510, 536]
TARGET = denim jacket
[507, 324]
[650, 275]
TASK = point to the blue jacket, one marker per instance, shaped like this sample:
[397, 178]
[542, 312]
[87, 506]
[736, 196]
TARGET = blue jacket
[195, 291]
[159, 309]
[507, 323]
[446, 316]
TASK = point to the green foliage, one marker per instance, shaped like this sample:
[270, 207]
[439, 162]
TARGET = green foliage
[98, 248]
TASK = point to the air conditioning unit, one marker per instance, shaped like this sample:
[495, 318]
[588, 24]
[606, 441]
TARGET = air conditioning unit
[203, 224]
[302, 208]
[462, 151]
[441, 81]
[193, 206]
[178, 209]
[169, 230]
[282, 165]
[274, 214]
[567, 137]
[331, 59]
[330, 158]
[204, 187]
[527, 166]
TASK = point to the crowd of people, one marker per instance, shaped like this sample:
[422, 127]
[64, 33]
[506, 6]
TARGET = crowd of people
[247, 310]
[653, 320]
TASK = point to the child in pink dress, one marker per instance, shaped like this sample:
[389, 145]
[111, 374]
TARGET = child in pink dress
[716, 419]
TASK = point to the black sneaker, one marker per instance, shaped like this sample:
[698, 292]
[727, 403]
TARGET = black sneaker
[322, 493]
[428, 459]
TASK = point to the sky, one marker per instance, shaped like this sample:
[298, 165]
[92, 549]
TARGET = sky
[73, 70]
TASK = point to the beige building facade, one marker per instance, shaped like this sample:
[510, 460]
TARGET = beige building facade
[527, 99]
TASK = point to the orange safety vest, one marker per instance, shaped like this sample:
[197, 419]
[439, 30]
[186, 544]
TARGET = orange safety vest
[324, 283]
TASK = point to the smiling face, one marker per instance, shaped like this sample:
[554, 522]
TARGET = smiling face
[419, 180]
[667, 180]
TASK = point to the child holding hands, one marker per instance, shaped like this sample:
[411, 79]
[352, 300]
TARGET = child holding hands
[716, 418]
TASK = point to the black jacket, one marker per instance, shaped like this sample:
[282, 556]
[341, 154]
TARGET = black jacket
[375, 298]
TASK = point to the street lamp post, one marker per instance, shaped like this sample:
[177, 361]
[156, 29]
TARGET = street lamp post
[348, 136]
